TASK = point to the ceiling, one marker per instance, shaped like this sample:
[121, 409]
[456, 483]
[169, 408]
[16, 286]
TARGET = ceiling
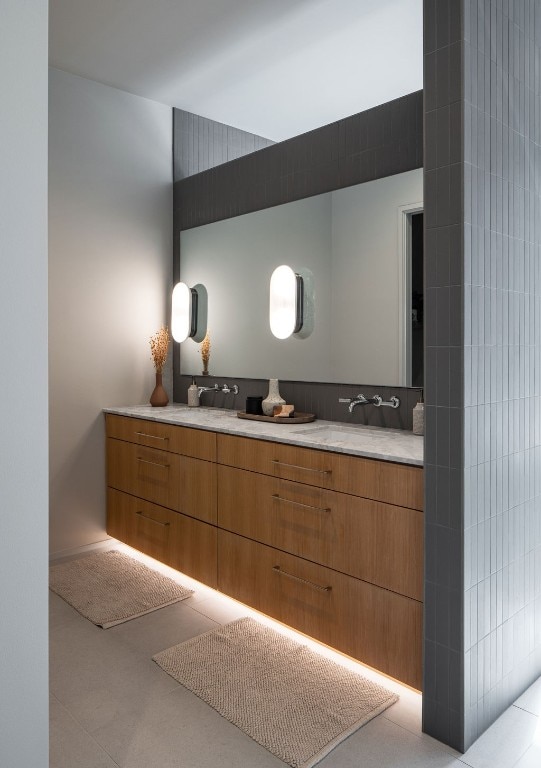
[275, 68]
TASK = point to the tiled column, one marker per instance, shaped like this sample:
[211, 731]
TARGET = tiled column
[483, 425]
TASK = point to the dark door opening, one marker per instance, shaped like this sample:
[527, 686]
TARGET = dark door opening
[417, 297]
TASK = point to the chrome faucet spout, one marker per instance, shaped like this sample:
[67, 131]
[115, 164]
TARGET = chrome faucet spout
[360, 400]
[376, 400]
[207, 389]
[225, 388]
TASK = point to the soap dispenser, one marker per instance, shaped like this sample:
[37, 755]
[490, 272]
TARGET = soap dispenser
[193, 394]
[419, 416]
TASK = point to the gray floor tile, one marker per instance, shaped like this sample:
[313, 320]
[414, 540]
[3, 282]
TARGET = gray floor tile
[180, 731]
[112, 705]
[60, 612]
[161, 629]
[531, 758]
[219, 611]
[96, 676]
[383, 744]
[531, 699]
[505, 742]
[70, 745]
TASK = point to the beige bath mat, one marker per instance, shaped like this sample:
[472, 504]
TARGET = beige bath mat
[109, 587]
[294, 702]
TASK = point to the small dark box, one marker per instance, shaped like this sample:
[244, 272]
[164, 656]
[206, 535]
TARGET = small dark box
[253, 405]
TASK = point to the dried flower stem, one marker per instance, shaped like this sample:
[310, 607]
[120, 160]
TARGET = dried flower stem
[159, 346]
[205, 351]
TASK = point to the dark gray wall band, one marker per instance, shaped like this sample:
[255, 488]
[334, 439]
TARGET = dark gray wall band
[379, 142]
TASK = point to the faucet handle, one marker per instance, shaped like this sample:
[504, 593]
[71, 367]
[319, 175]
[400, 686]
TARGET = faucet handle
[345, 400]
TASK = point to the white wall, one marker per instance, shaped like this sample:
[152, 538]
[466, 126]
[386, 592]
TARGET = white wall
[110, 275]
[23, 385]
[366, 276]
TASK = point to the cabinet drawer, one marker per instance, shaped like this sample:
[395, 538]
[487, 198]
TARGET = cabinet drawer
[397, 484]
[377, 542]
[174, 539]
[167, 437]
[179, 482]
[142, 525]
[378, 627]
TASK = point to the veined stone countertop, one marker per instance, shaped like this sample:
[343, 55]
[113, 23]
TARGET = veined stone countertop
[373, 442]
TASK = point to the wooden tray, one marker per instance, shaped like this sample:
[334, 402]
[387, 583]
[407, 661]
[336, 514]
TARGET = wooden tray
[300, 418]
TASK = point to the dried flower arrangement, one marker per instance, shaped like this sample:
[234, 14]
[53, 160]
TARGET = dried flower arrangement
[205, 353]
[159, 346]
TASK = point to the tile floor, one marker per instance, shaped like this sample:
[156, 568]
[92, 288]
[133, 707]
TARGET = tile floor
[110, 705]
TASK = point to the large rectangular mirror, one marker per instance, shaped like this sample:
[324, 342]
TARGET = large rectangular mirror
[359, 242]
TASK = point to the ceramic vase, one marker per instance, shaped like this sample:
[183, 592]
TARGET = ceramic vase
[272, 399]
[159, 397]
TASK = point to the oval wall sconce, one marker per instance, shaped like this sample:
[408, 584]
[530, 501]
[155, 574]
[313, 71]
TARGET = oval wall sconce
[184, 312]
[286, 303]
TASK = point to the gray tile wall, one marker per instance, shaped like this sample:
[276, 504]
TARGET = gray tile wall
[200, 143]
[313, 397]
[483, 414]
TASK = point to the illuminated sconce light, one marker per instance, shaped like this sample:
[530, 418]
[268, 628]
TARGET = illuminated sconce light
[286, 302]
[184, 312]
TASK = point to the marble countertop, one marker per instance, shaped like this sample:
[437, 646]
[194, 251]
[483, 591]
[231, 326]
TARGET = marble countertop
[373, 442]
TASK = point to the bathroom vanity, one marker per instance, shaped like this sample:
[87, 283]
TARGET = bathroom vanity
[320, 527]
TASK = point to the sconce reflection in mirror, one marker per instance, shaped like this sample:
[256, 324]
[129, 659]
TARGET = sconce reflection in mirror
[291, 302]
[189, 312]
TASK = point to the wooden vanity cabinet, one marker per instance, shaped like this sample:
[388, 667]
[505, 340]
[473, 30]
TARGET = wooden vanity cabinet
[162, 501]
[327, 543]
[377, 542]
[376, 626]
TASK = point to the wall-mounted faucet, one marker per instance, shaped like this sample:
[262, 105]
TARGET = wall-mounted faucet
[225, 388]
[376, 400]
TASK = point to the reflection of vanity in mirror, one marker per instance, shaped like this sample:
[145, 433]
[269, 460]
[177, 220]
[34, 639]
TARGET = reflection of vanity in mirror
[363, 245]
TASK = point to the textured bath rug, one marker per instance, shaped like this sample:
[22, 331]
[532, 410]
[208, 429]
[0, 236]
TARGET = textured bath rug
[109, 587]
[294, 702]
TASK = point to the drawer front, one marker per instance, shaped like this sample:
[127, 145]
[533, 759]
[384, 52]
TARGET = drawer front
[178, 482]
[144, 472]
[376, 542]
[397, 484]
[276, 459]
[194, 549]
[378, 627]
[174, 539]
[167, 437]
[144, 526]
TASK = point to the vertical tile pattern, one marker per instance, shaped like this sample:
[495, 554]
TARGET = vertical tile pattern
[483, 431]
[200, 143]
[378, 142]
[444, 372]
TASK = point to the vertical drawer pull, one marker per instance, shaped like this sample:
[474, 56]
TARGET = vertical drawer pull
[306, 469]
[146, 517]
[154, 463]
[299, 504]
[152, 437]
[277, 569]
